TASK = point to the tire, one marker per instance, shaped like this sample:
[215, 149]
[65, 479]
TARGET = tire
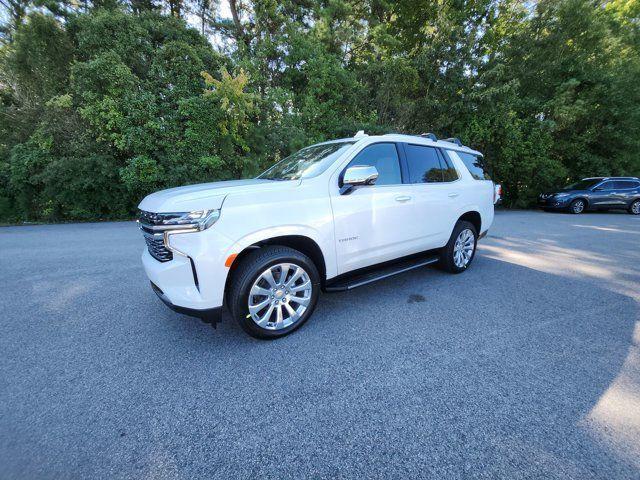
[273, 302]
[577, 206]
[634, 208]
[448, 261]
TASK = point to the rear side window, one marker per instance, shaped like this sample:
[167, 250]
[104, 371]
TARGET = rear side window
[424, 164]
[383, 156]
[450, 173]
[476, 165]
[626, 184]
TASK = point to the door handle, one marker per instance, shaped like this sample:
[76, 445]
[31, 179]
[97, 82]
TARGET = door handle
[403, 198]
[453, 195]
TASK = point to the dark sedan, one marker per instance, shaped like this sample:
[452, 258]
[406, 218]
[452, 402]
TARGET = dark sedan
[599, 193]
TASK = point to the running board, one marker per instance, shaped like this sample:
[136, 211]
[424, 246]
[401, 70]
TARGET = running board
[358, 280]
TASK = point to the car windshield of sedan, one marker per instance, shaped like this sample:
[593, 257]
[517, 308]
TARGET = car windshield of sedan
[306, 163]
[583, 184]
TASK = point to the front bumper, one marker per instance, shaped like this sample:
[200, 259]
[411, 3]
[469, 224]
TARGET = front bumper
[210, 315]
[194, 279]
[553, 203]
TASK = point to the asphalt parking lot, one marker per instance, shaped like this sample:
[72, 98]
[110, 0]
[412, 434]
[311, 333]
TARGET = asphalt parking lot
[525, 366]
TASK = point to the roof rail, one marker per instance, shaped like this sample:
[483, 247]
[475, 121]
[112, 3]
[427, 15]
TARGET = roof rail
[430, 136]
[455, 140]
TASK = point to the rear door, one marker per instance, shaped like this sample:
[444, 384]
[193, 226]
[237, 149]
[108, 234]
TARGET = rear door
[436, 188]
[626, 191]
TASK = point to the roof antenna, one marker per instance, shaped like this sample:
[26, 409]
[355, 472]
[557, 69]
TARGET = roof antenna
[360, 134]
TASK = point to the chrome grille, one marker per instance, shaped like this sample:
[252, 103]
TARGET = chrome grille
[150, 218]
[156, 247]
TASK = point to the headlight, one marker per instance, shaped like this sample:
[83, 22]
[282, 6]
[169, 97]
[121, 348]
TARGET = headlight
[201, 219]
[197, 220]
[561, 195]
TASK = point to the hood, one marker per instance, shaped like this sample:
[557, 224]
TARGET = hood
[205, 196]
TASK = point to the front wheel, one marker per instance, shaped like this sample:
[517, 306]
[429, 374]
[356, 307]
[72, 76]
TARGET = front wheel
[274, 291]
[458, 254]
[577, 206]
[634, 208]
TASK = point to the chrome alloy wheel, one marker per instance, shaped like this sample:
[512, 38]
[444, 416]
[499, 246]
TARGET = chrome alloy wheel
[578, 206]
[635, 208]
[280, 296]
[463, 248]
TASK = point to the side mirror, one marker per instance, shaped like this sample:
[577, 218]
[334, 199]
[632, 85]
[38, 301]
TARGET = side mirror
[598, 189]
[358, 175]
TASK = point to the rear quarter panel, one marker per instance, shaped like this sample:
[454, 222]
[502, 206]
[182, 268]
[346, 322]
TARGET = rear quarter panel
[476, 195]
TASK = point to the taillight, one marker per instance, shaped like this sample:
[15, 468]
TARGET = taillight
[497, 193]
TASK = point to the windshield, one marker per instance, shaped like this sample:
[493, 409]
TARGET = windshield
[583, 184]
[306, 163]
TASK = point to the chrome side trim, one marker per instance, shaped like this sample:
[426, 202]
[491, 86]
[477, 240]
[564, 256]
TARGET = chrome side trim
[167, 243]
[162, 228]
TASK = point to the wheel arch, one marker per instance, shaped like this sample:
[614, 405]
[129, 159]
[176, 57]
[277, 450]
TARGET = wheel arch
[583, 198]
[474, 217]
[302, 243]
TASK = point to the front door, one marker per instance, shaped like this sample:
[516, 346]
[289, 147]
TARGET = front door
[603, 195]
[375, 223]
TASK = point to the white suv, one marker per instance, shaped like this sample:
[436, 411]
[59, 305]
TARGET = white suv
[332, 216]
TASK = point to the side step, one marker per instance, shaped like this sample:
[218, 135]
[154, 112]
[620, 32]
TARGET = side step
[356, 280]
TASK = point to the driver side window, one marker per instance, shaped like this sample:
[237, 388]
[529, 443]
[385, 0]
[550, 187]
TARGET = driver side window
[383, 156]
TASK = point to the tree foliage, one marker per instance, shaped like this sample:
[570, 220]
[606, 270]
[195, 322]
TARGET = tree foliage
[104, 101]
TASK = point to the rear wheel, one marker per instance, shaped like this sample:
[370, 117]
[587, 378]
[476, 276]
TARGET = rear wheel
[577, 206]
[458, 254]
[274, 291]
[634, 208]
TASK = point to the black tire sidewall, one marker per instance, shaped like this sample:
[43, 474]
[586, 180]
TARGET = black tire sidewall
[240, 303]
[631, 207]
[446, 256]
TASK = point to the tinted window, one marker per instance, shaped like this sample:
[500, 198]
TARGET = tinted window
[607, 186]
[424, 164]
[450, 174]
[476, 166]
[626, 184]
[583, 184]
[383, 156]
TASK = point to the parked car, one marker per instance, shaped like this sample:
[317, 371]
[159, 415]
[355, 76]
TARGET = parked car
[333, 216]
[597, 193]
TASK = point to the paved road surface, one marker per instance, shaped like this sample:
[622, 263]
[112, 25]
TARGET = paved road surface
[526, 366]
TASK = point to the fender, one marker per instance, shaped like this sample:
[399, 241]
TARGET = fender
[325, 242]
